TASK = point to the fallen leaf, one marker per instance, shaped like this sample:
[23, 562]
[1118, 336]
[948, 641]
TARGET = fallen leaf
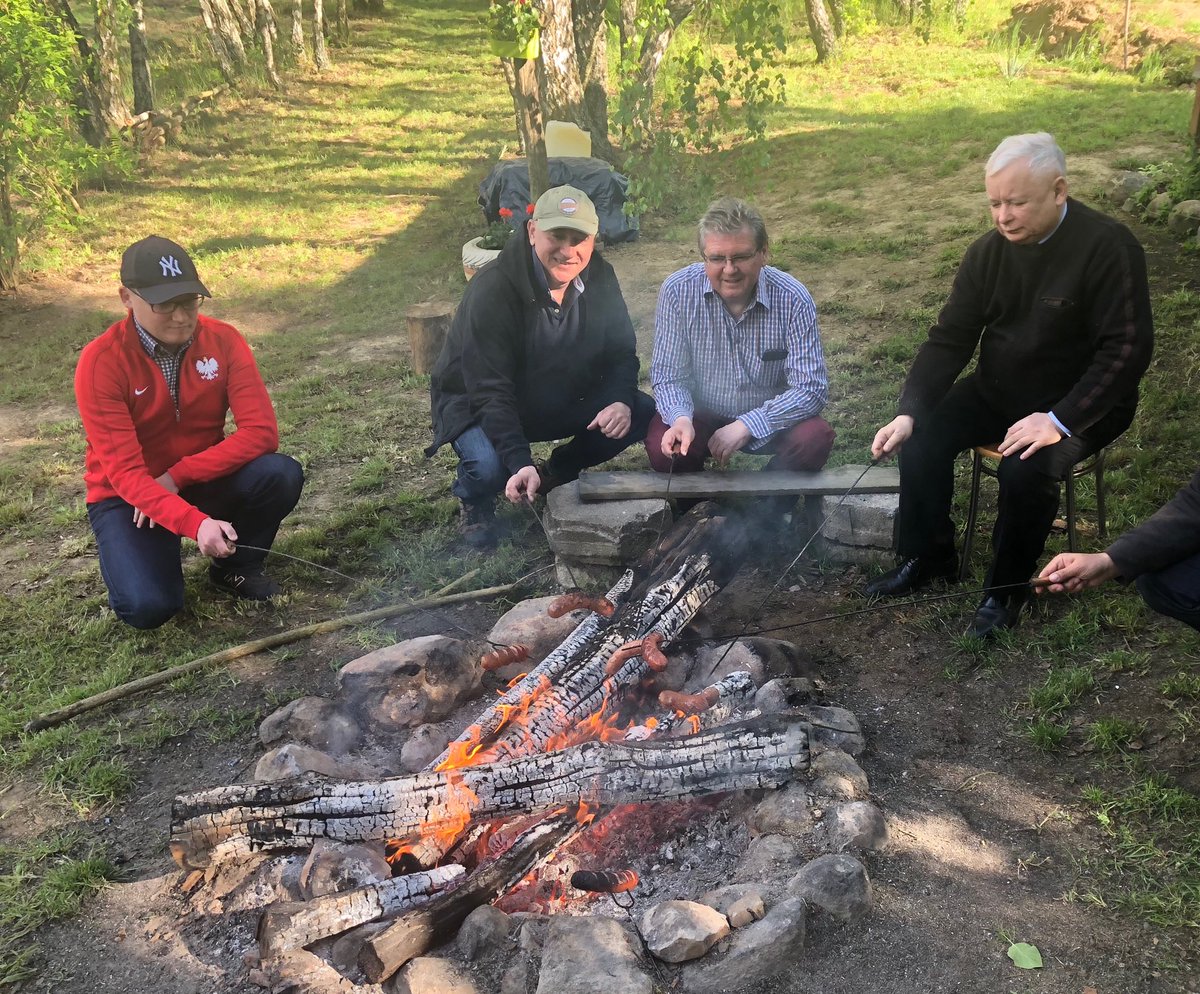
[1025, 956]
[1090, 990]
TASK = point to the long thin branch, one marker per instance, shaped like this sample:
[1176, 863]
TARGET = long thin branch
[57, 717]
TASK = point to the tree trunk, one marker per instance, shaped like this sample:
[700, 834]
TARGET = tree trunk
[320, 55]
[821, 30]
[91, 120]
[218, 43]
[591, 48]
[527, 98]
[837, 9]
[574, 67]
[108, 66]
[244, 21]
[655, 42]
[298, 49]
[343, 23]
[266, 34]
[139, 60]
[428, 326]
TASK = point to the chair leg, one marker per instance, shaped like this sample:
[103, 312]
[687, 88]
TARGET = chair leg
[1072, 543]
[964, 564]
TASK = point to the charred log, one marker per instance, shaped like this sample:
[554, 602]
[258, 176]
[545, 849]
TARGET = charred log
[294, 813]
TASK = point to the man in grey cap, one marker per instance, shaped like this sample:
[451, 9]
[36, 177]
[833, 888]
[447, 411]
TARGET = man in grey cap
[541, 349]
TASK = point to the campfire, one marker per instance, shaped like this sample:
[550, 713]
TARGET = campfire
[604, 726]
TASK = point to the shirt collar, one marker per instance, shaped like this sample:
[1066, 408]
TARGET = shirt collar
[152, 345]
[1061, 217]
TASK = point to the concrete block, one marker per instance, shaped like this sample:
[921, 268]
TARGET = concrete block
[604, 533]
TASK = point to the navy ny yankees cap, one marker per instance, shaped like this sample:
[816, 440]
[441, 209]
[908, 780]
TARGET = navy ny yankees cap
[158, 270]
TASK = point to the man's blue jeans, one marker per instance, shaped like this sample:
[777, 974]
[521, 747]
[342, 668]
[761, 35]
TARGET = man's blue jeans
[1174, 591]
[481, 475]
[141, 566]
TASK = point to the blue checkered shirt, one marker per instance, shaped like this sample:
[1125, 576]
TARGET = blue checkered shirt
[765, 367]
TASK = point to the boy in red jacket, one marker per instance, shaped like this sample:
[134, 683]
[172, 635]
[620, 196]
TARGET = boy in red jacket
[153, 392]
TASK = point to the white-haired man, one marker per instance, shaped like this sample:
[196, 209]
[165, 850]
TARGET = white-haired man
[1056, 301]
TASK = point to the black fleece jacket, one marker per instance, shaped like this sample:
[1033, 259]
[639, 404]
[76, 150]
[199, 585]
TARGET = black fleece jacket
[1064, 326]
[490, 374]
[1167, 537]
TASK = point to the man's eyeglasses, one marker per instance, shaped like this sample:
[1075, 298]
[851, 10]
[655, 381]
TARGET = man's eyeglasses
[189, 305]
[733, 260]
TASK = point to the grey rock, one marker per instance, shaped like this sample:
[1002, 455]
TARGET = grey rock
[783, 694]
[529, 624]
[569, 574]
[423, 746]
[863, 521]
[313, 721]
[781, 659]
[531, 936]
[1127, 184]
[737, 656]
[681, 664]
[836, 883]
[785, 811]
[590, 956]
[1160, 206]
[1184, 218]
[1131, 206]
[413, 682]
[741, 904]
[291, 760]
[768, 858]
[833, 728]
[605, 533]
[485, 930]
[837, 776]
[677, 931]
[857, 825]
[769, 948]
[431, 975]
[332, 867]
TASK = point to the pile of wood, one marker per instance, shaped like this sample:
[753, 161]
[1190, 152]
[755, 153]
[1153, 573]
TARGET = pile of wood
[519, 760]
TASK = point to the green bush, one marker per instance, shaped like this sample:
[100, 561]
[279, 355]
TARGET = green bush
[40, 153]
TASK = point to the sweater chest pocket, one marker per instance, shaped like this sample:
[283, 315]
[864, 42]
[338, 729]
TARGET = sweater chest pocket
[1056, 315]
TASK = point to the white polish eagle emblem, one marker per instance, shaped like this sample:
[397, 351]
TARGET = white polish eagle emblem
[207, 367]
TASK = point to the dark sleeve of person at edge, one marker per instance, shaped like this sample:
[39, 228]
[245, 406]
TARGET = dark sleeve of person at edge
[491, 372]
[1064, 326]
[1169, 536]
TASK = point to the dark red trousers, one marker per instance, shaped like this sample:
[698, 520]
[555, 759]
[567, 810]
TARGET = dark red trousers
[802, 448]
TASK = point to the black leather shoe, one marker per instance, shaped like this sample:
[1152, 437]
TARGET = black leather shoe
[994, 615]
[913, 574]
[477, 525]
[248, 584]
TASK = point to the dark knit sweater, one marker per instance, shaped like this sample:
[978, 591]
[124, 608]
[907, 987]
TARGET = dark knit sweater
[491, 374]
[1169, 536]
[1064, 326]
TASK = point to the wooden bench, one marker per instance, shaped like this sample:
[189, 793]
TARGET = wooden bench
[645, 485]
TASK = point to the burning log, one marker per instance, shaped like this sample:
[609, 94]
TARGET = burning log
[411, 935]
[294, 813]
[291, 926]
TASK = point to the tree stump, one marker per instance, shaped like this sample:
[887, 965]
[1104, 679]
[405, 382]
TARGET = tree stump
[428, 326]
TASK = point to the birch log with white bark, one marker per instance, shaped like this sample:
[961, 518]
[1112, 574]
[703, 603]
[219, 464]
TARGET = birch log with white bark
[237, 820]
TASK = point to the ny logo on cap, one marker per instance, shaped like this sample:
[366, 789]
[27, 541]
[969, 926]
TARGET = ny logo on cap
[169, 266]
[568, 206]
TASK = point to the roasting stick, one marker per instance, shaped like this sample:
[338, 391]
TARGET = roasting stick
[441, 598]
[787, 569]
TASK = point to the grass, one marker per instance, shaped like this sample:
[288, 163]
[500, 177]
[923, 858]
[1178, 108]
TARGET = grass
[320, 215]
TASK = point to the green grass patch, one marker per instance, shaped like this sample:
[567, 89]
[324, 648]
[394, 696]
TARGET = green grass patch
[1060, 691]
[1151, 869]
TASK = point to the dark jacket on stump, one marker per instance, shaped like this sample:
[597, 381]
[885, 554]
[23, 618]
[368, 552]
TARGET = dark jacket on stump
[492, 372]
[1064, 326]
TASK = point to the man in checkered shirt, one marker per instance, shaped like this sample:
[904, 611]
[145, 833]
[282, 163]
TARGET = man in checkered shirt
[737, 360]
